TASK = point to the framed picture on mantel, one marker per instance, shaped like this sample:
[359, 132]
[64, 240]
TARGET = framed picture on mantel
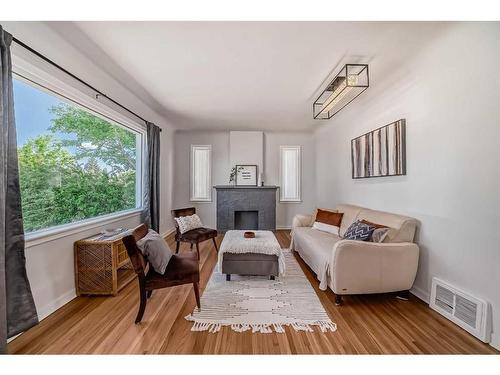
[246, 175]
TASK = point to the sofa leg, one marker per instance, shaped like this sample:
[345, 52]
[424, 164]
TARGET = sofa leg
[403, 295]
[338, 299]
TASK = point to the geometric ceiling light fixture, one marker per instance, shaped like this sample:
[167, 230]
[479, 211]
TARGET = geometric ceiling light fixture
[351, 81]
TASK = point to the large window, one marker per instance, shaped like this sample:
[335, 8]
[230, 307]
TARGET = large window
[73, 164]
[290, 174]
[200, 173]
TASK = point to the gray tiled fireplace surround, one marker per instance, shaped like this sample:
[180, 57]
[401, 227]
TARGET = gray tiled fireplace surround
[246, 207]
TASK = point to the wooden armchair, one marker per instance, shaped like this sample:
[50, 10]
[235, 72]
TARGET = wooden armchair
[181, 269]
[194, 236]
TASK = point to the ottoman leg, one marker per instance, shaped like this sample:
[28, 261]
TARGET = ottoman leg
[228, 277]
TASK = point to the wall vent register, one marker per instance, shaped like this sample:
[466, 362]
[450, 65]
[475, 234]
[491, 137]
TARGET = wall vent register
[468, 312]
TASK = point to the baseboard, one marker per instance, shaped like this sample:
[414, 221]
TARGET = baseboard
[168, 232]
[421, 294]
[283, 228]
[51, 307]
[495, 341]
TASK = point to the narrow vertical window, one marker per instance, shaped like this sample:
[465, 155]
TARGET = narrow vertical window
[201, 160]
[290, 174]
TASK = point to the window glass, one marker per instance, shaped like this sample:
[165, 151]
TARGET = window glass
[290, 174]
[200, 173]
[73, 164]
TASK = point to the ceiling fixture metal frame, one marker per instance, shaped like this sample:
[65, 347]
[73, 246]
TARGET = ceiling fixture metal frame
[347, 85]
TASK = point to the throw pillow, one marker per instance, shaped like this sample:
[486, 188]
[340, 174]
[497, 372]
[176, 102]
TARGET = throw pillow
[156, 250]
[326, 227]
[187, 223]
[359, 231]
[379, 234]
[313, 219]
[329, 217]
[374, 224]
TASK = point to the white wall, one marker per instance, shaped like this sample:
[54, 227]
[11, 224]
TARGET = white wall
[221, 166]
[449, 94]
[247, 148]
[50, 265]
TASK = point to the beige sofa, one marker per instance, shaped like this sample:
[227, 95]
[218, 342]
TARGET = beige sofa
[359, 267]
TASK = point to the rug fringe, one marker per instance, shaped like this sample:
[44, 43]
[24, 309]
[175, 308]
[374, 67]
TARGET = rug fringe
[262, 328]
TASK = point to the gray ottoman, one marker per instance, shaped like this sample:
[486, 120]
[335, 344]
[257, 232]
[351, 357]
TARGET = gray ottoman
[259, 256]
[250, 264]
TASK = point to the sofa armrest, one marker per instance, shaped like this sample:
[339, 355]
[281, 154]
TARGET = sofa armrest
[359, 267]
[300, 220]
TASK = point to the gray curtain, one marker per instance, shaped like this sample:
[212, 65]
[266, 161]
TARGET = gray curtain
[17, 308]
[151, 214]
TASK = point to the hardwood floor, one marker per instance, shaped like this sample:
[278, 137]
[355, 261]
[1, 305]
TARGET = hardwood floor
[373, 324]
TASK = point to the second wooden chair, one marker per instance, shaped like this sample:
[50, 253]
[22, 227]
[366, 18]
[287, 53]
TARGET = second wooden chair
[194, 236]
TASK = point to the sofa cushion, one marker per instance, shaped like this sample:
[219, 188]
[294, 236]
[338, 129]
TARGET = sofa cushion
[402, 228]
[350, 215]
[315, 247]
[359, 231]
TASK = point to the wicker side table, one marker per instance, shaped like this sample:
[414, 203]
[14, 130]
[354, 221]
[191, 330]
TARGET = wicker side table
[101, 266]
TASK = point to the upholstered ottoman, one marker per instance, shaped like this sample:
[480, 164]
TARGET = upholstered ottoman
[259, 256]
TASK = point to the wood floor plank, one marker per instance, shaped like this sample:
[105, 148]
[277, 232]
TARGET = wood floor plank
[376, 324]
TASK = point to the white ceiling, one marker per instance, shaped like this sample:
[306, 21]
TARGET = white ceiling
[242, 75]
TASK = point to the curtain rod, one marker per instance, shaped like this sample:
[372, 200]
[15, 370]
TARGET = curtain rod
[99, 93]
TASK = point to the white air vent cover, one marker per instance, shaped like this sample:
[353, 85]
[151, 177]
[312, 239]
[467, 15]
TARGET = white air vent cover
[470, 313]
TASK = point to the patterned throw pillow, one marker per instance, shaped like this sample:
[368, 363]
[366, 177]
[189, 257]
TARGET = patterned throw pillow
[359, 231]
[187, 223]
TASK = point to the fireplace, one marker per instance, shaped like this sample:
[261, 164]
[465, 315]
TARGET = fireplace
[246, 207]
[246, 220]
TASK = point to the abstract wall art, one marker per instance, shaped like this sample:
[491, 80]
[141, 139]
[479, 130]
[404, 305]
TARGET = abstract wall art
[381, 152]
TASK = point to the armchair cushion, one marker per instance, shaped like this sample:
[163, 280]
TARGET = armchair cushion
[182, 268]
[198, 235]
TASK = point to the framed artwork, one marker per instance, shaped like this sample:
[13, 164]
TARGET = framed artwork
[381, 152]
[246, 175]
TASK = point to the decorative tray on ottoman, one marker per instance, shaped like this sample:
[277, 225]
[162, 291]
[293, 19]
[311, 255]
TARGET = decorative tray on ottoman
[249, 234]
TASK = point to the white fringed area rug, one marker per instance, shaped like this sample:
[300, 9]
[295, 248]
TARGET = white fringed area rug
[261, 305]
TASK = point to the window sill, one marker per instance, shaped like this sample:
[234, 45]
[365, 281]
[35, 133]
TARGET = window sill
[297, 201]
[201, 200]
[46, 235]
